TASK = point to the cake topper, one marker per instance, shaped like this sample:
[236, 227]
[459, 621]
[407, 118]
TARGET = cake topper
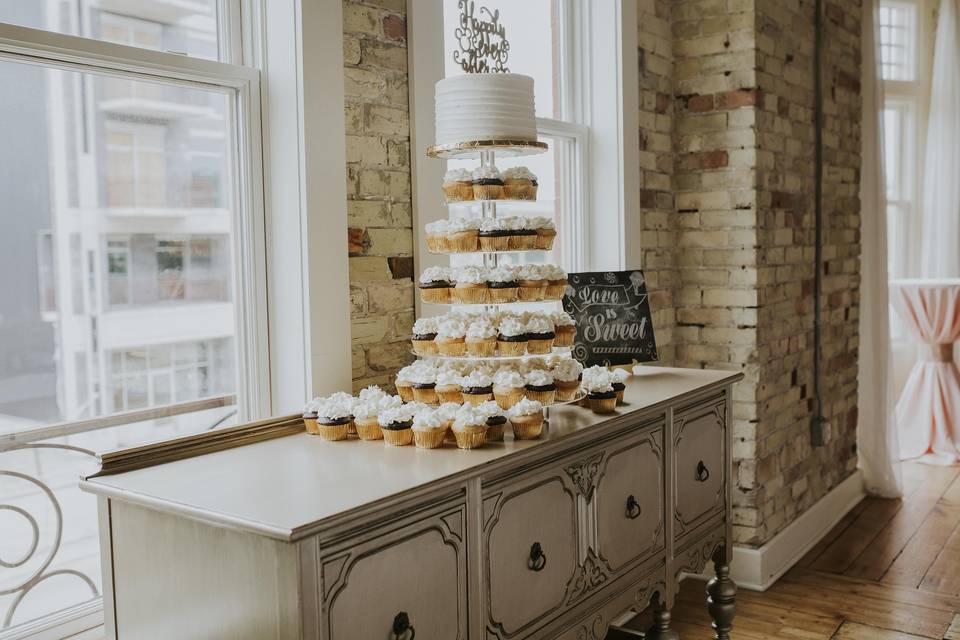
[482, 40]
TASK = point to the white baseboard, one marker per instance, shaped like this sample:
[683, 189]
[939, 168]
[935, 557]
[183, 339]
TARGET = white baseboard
[757, 569]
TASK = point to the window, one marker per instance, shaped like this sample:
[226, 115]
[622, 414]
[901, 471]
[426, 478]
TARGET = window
[130, 181]
[906, 58]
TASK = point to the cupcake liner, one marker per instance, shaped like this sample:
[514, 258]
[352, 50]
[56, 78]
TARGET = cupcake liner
[333, 432]
[523, 243]
[482, 348]
[452, 348]
[470, 295]
[369, 428]
[463, 241]
[545, 238]
[436, 243]
[620, 396]
[426, 396]
[424, 347]
[398, 437]
[476, 398]
[494, 243]
[564, 336]
[449, 395]
[545, 398]
[507, 399]
[502, 295]
[487, 191]
[527, 427]
[539, 346]
[436, 295]
[495, 433]
[531, 293]
[471, 438]
[567, 390]
[311, 425]
[555, 291]
[603, 405]
[405, 392]
[512, 348]
[523, 190]
[458, 191]
[429, 439]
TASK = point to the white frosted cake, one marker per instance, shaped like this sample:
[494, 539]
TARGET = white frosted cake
[485, 106]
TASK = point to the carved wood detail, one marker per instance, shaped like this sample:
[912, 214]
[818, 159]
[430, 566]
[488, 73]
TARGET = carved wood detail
[585, 474]
[680, 422]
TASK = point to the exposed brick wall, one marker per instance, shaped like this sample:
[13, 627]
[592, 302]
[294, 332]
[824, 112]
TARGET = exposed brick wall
[380, 235]
[655, 61]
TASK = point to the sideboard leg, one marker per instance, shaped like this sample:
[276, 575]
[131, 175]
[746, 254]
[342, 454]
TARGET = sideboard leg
[721, 596]
[660, 630]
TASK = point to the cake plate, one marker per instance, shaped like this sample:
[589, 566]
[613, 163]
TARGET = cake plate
[477, 148]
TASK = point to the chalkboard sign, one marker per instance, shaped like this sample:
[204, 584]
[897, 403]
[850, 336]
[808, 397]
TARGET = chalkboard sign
[613, 317]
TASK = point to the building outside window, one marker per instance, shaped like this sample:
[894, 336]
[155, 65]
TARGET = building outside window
[133, 250]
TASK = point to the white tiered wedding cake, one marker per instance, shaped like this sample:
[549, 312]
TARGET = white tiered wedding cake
[485, 107]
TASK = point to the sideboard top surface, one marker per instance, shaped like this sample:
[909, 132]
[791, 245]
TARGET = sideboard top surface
[286, 487]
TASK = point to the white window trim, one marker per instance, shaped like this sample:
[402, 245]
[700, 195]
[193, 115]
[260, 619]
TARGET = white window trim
[603, 56]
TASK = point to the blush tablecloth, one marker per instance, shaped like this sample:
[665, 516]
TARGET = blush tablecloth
[928, 411]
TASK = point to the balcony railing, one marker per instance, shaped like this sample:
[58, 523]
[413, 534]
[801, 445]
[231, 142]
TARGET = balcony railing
[49, 553]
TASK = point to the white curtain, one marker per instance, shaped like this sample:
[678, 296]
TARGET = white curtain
[941, 188]
[879, 457]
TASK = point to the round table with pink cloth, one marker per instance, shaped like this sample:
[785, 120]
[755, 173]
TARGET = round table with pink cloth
[928, 411]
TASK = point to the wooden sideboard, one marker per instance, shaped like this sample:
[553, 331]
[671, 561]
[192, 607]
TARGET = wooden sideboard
[262, 531]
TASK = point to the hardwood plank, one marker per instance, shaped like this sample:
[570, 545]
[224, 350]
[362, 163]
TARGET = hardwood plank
[838, 529]
[854, 631]
[841, 551]
[874, 561]
[953, 633]
[893, 594]
[931, 537]
[943, 575]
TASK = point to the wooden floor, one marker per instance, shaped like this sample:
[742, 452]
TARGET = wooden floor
[890, 569]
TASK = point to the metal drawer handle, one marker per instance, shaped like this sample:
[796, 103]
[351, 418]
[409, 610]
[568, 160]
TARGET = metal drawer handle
[401, 625]
[703, 474]
[538, 559]
[633, 507]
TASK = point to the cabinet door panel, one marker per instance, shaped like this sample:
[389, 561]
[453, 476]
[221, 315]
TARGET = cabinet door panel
[519, 590]
[418, 572]
[699, 469]
[630, 501]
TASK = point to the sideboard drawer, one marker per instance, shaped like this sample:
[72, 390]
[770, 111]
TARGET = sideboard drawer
[699, 467]
[531, 551]
[630, 501]
[416, 571]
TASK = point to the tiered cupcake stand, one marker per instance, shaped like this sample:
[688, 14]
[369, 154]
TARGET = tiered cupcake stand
[487, 151]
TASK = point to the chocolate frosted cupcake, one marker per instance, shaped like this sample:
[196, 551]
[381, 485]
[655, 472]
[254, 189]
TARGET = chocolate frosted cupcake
[523, 237]
[425, 385]
[494, 235]
[540, 335]
[502, 284]
[598, 383]
[519, 183]
[533, 286]
[540, 387]
[496, 420]
[435, 285]
[397, 425]
[448, 387]
[310, 416]
[477, 387]
[487, 183]
[512, 337]
[335, 417]
[619, 382]
[424, 332]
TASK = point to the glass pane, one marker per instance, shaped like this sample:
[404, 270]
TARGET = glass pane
[187, 27]
[898, 40]
[531, 31]
[100, 229]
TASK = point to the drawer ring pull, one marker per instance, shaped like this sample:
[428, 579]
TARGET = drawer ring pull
[401, 624]
[703, 474]
[538, 559]
[633, 507]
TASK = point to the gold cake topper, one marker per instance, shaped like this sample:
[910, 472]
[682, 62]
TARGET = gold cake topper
[482, 41]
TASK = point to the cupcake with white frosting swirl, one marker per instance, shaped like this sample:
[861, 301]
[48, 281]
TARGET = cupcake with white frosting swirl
[448, 386]
[566, 375]
[451, 335]
[471, 285]
[540, 386]
[477, 387]
[598, 383]
[511, 336]
[334, 417]
[508, 387]
[496, 419]
[526, 418]
[437, 236]
[564, 328]
[540, 334]
[487, 183]
[435, 285]
[519, 183]
[424, 332]
[481, 339]
[458, 185]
